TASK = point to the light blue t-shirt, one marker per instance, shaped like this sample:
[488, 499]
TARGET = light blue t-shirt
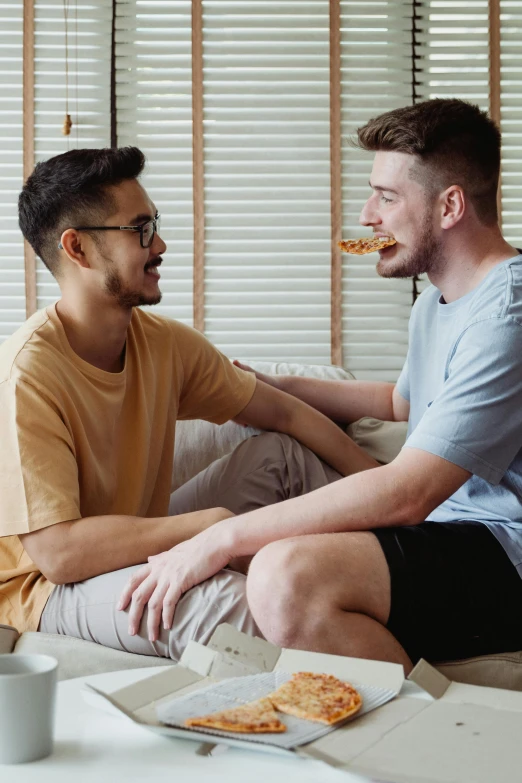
[463, 378]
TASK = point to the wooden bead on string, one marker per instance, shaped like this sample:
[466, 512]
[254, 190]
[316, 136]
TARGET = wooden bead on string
[67, 125]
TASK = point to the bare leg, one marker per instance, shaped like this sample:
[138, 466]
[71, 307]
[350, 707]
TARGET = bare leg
[328, 593]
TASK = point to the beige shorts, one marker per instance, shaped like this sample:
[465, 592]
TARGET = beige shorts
[263, 470]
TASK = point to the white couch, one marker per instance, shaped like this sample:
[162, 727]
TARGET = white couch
[198, 443]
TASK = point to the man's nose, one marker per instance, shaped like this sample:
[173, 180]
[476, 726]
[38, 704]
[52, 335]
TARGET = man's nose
[369, 215]
[158, 245]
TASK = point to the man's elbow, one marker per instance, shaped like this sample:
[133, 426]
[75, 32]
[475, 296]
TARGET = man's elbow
[50, 555]
[56, 568]
[406, 508]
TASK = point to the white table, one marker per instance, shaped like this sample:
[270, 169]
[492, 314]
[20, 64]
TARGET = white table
[92, 745]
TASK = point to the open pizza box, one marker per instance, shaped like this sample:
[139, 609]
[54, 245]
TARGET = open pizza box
[457, 733]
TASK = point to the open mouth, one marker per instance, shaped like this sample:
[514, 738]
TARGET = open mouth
[151, 268]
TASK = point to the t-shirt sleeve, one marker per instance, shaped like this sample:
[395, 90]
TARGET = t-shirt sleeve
[213, 388]
[475, 421]
[38, 471]
[403, 382]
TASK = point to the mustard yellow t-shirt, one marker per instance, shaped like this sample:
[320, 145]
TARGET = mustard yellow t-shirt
[76, 441]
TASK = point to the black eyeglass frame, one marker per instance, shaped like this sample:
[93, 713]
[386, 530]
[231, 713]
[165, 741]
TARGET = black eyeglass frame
[155, 229]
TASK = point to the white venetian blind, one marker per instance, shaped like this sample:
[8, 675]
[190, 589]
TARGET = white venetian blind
[89, 36]
[376, 63]
[453, 44]
[154, 111]
[12, 287]
[511, 119]
[267, 178]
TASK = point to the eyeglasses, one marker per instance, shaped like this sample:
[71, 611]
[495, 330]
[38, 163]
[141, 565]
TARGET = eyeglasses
[147, 230]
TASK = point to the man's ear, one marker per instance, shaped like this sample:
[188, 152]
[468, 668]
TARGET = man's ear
[71, 245]
[453, 206]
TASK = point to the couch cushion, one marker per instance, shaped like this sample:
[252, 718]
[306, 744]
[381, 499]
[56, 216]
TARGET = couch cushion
[79, 658]
[503, 670]
[383, 440]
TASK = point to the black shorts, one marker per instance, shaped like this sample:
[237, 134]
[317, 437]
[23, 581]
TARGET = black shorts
[454, 592]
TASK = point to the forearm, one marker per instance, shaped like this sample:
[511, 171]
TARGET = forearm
[364, 501]
[327, 440]
[83, 548]
[343, 401]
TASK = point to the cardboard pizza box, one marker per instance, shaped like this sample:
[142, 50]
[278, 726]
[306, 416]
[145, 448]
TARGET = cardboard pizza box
[435, 731]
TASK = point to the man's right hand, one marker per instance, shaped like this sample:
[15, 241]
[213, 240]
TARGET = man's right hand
[271, 380]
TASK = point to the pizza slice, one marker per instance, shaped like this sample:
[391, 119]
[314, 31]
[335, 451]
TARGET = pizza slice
[256, 717]
[366, 245]
[317, 697]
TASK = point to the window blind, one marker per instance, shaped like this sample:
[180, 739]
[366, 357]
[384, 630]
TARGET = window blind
[12, 286]
[267, 178]
[453, 47]
[154, 111]
[376, 76]
[266, 148]
[511, 119]
[89, 66]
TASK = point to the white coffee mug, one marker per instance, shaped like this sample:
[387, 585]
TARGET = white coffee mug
[27, 698]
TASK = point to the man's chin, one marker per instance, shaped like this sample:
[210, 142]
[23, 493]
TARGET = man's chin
[390, 270]
[149, 301]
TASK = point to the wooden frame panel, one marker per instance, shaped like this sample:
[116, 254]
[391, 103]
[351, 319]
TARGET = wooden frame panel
[335, 183]
[494, 78]
[28, 144]
[198, 166]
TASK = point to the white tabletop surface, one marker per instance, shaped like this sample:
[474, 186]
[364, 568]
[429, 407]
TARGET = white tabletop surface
[93, 745]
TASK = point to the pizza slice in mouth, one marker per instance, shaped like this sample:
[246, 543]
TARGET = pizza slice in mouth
[366, 245]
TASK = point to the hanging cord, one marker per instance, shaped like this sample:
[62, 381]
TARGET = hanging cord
[414, 30]
[76, 115]
[67, 123]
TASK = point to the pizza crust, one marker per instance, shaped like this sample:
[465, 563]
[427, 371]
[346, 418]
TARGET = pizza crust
[366, 245]
[256, 717]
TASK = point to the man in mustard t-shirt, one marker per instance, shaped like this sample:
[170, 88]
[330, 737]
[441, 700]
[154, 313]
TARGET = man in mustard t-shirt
[90, 391]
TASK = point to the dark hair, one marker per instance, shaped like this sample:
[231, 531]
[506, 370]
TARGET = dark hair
[71, 189]
[455, 143]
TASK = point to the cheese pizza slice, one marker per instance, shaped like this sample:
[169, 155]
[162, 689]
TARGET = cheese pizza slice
[366, 245]
[317, 697]
[256, 717]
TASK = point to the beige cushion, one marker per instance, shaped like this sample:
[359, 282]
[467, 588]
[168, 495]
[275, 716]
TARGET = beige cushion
[382, 439]
[79, 658]
[503, 670]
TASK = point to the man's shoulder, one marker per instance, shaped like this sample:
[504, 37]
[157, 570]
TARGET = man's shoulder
[500, 295]
[154, 323]
[154, 327]
[32, 345]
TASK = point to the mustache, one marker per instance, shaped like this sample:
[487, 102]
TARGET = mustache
[154, 262]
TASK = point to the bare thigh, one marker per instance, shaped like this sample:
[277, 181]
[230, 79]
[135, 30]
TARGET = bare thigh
[310, 575]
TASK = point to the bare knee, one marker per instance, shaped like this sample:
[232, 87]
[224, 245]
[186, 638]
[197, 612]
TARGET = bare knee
[281, 585]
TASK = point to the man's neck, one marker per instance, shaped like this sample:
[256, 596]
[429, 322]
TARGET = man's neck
[97, 334]
[467, 262]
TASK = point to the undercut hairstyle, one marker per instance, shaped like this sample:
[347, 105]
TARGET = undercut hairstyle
[70, 190]
[454, 143]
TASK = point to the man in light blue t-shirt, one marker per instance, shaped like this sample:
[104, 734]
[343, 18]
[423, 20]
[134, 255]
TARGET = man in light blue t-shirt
[423, 556]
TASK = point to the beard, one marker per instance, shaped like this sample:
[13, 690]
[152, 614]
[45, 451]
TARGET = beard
[425, 257]
[127, 297]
